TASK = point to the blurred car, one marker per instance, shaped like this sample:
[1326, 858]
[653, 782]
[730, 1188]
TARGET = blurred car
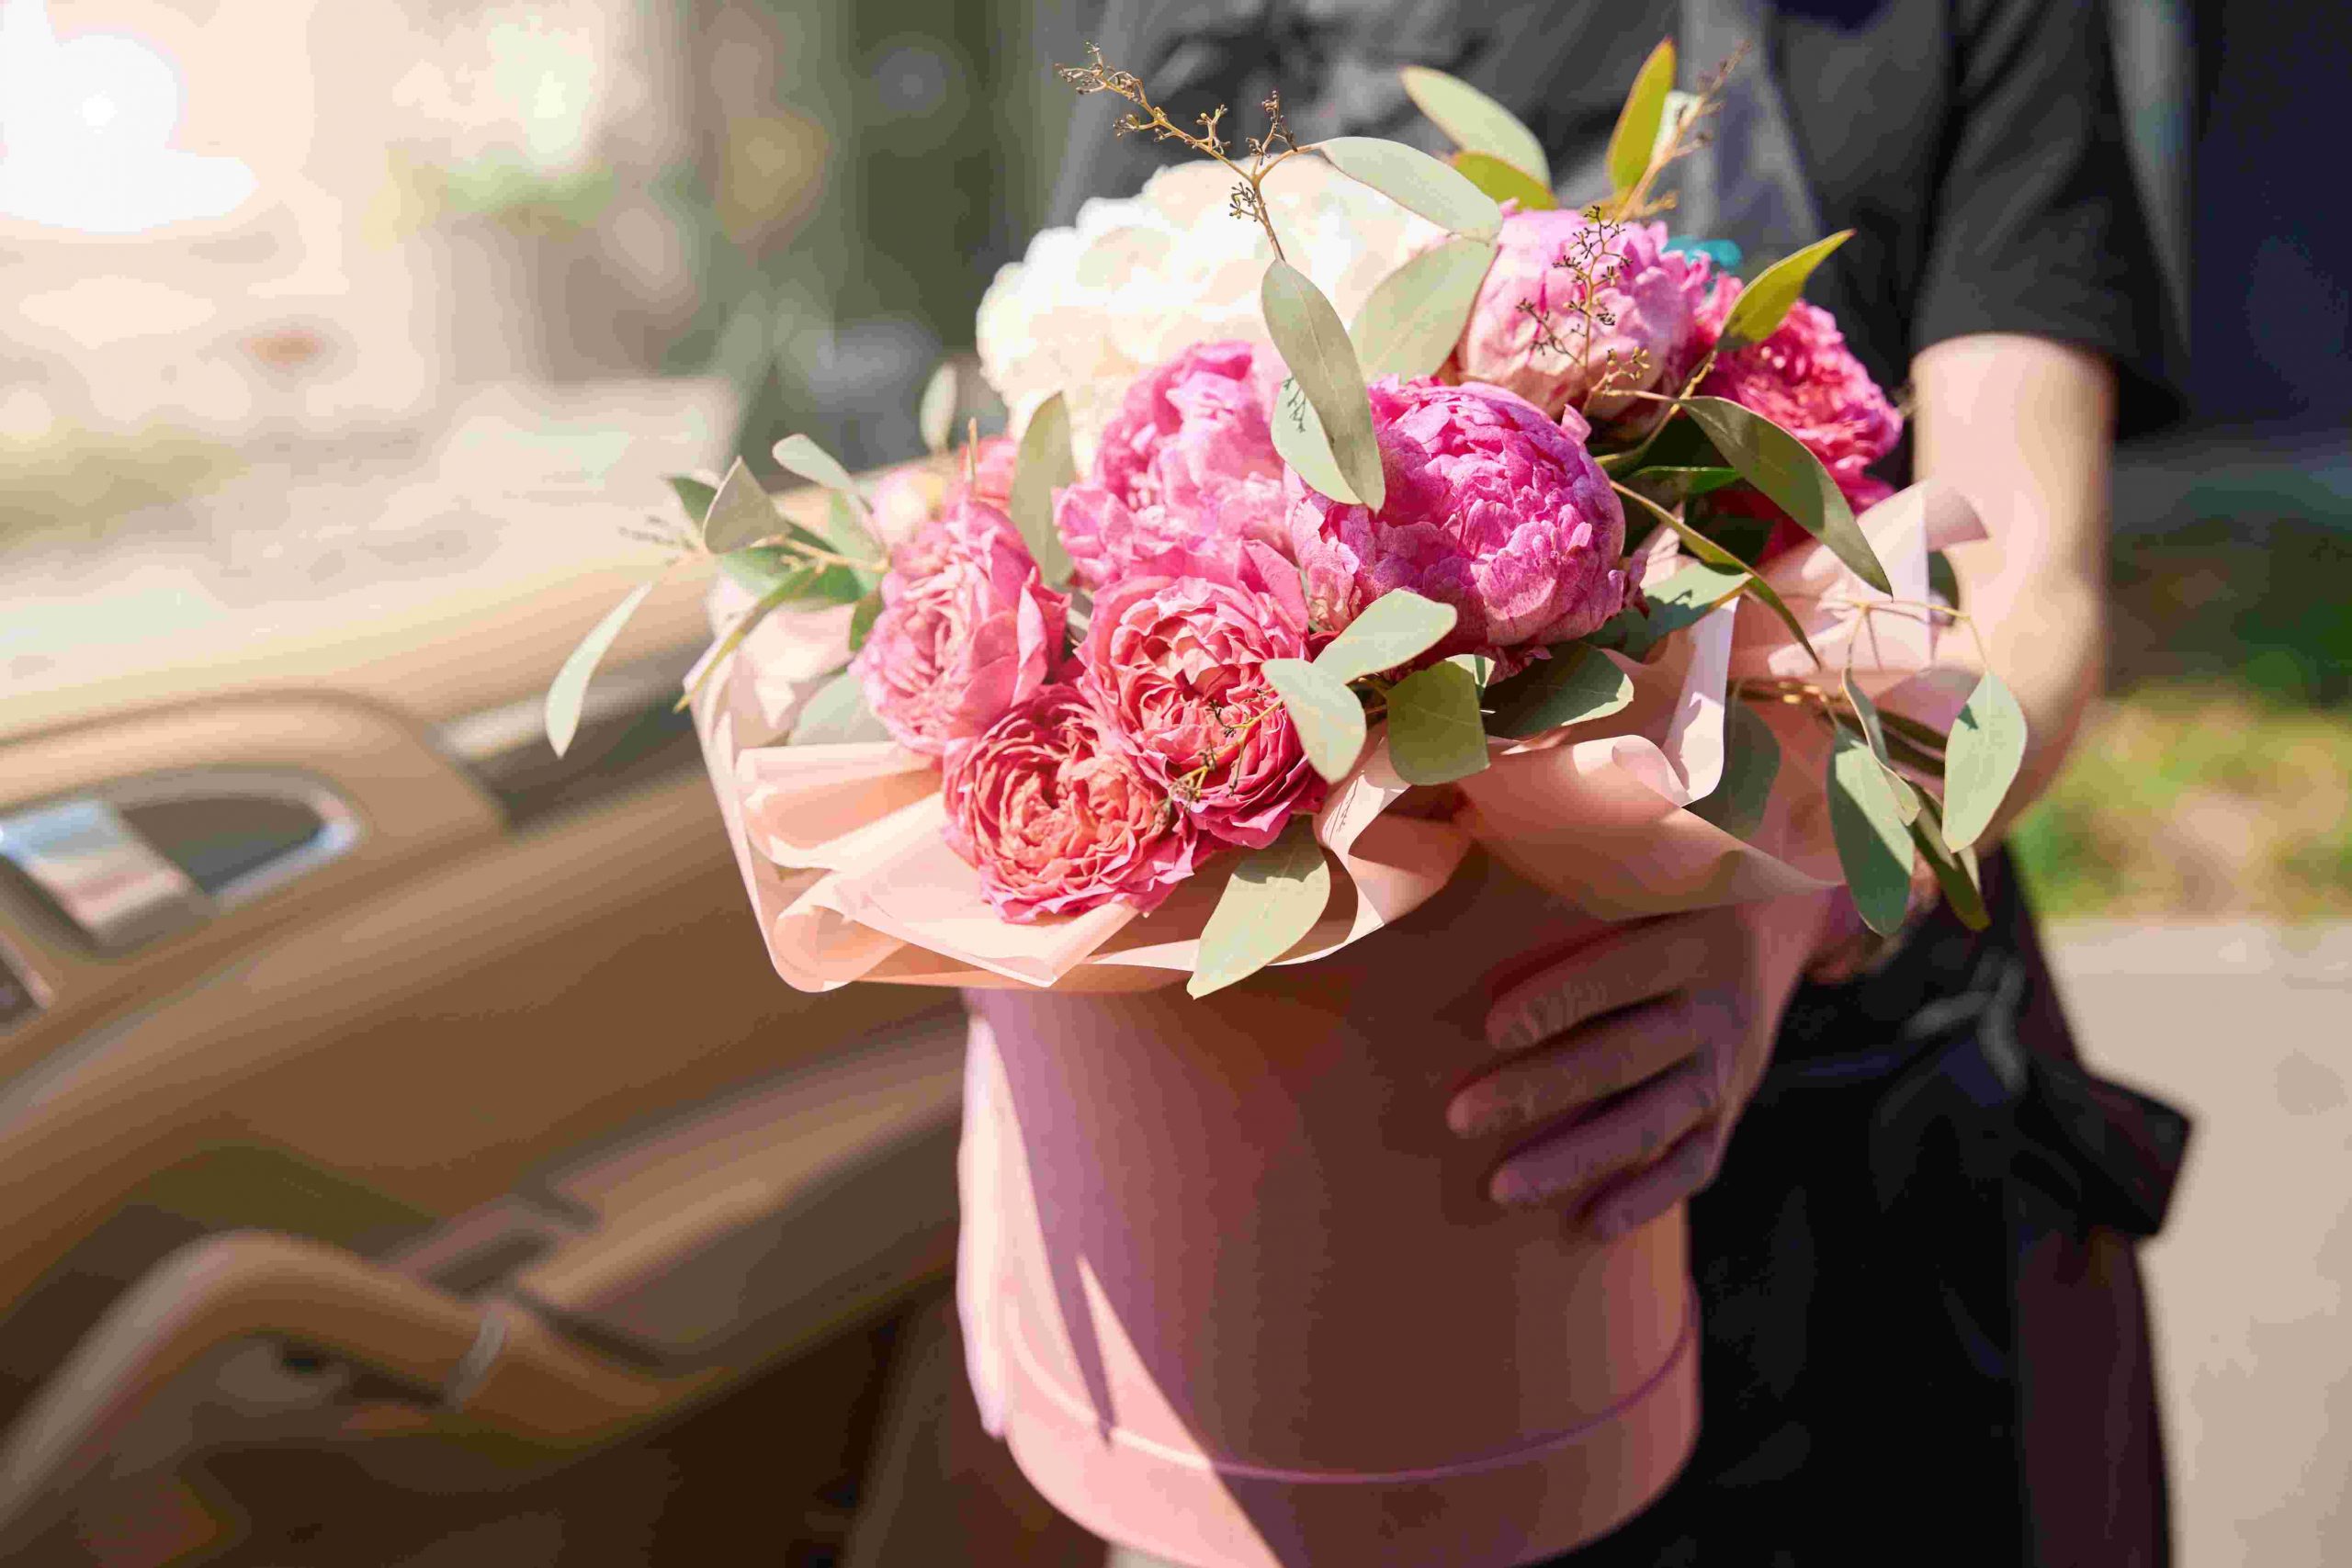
[411, 1156]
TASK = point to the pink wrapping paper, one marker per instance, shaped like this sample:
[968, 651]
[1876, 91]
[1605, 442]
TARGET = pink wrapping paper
[841, 849]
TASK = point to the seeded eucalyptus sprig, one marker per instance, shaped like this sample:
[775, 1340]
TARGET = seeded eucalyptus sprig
[778, 561]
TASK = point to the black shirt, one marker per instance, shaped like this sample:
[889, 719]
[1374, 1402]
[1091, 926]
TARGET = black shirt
[1975, 147]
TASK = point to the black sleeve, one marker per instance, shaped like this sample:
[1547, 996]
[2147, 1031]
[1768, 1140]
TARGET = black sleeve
[2037, 226]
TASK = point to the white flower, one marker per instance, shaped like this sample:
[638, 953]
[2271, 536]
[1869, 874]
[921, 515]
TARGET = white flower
[1090, 307]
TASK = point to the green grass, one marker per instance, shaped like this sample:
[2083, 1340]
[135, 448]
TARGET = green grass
[2198, 801]
[2217, 780]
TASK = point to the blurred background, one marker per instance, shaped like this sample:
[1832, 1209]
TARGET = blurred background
[382, 317]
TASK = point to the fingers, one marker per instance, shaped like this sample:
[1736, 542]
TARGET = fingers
[1592, 1063]
[1637, 965]
[1629, 1133]
[1688, 1167]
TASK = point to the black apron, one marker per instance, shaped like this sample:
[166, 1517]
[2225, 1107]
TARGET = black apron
[1924, 1322]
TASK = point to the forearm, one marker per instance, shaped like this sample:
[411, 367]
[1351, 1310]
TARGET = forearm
[2024, 428]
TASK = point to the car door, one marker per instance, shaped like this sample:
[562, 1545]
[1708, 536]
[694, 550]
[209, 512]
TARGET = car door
[374, 1084]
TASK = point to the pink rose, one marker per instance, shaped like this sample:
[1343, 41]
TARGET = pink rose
[1187, 463]
[1805, 380]
[1492, 508]
[1616, 317]
[909, 497]
[1171, 659]
[967, 629]
[1057, 817]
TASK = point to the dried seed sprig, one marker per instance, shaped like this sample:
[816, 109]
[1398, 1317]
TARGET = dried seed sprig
[1258, 157]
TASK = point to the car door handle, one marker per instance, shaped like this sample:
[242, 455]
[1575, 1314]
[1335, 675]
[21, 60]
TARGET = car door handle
[143, 857]
[495, 1359]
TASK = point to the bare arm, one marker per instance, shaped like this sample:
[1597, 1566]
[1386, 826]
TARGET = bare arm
[2023, 428]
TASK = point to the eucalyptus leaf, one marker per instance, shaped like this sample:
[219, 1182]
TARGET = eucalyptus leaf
[694, 495]
[1299, 442]
[1698, 587]
[569, 688]
[1908, 801]
[1942, 582]
[861, 619]
[1576, 684]
[846, 537]
[1778, 464]
[761, 607]
[1981, 759]
[1639, 122]
[1867, 711]
[1714, 555]
[1476, 122]
[1043, 466]
[1399, 626]
[761, 569]
[1435, 732]
[1955, 871]
[1764, 304]
[1751, 765]
[836, 715]
[739, 513]
[1275, 897]
[800, 455]
[1688, 483]
[1505, 181]
[1874, 845]
[1327, 714]
[1314, 343]
[935, 416]
[1416, 182]
[1411, 320]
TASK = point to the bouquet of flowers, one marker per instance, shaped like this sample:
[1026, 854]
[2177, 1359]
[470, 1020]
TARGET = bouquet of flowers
[1341, 471]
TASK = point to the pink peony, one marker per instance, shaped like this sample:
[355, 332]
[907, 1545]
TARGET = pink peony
[967, 629]
[909, 497]
[1171, 659]
[1621, 310]
[1492, 508]
[1805, 380]
[1057, 817]
[1188, 463]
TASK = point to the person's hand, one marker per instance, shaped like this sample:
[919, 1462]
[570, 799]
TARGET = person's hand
[1630, 1060]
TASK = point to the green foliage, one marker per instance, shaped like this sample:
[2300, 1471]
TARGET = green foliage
[569, 688]
[1395, 629]
[836, 715]
[1751, 764]
[1435, 734]
[1314, 343]
[1275, 898]
[1981, 759]
[1576, 685]
[1042, 465]
[1764, 304]
[1778, 464]
[739, 513]
[1327, 714]
[1418, 182]
[1476, 122]
[1505, 181]
[1640, 121]
[1874, 843]
[1414, 317]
